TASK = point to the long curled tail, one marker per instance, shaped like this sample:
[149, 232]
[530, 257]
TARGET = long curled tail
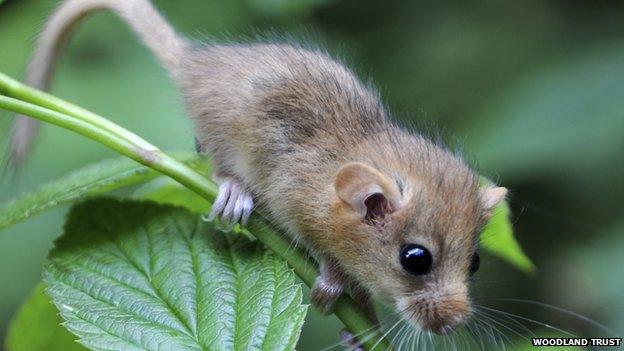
[140, 15]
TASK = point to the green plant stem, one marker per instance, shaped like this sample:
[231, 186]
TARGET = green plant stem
[15, 89]
[53, 110]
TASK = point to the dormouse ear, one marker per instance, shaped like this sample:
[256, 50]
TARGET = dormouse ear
[366, 190]
[492, 196]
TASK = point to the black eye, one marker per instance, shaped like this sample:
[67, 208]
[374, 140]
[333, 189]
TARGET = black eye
[475, 262]
[415, 259]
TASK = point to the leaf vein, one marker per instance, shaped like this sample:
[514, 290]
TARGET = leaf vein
[161, 326]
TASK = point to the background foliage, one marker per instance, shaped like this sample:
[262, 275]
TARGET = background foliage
[532, 91]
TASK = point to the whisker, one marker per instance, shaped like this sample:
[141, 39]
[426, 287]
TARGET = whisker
[453, 340]
[385, 334]
[419, 340]
[414, 339]
[477, 330]
[561, 310]
[397, 334]
[487, 321]
[416, 295]
[474, 339]
[411, 340]
[465, 338]
[368, 331]
[493, 319]
[533, 321]
[509, 317]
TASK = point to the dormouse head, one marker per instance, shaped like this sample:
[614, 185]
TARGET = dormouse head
[411, 238]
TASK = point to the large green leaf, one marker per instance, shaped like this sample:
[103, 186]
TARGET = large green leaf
[91, 180]
[37, 327]
[498, 238]
[137, 275]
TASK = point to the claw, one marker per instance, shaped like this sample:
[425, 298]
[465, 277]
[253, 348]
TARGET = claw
[228, 211]
[328, 287]
[325, 293]
[233, 204]
[237, 211]
[220, 201]
[247, 209]
[350, 341]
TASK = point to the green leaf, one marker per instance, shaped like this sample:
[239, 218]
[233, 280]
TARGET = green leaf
[91, 180]
[37, 327]
[498, 238]
[138, 275]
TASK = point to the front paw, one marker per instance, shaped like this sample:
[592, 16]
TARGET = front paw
[325, 293]
[233, 204]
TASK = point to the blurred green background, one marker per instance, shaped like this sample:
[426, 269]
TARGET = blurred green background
[532, 91]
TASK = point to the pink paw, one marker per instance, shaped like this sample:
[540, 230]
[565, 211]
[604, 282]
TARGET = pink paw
[233, 203]
[325, 293]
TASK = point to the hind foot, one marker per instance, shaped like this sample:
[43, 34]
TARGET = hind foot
[328, 287]
[233, 203]
[349, 341]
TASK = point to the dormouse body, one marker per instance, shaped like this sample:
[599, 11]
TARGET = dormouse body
[386, 211]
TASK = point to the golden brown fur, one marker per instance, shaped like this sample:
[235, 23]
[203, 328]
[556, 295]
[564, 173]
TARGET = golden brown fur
[284, 120]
